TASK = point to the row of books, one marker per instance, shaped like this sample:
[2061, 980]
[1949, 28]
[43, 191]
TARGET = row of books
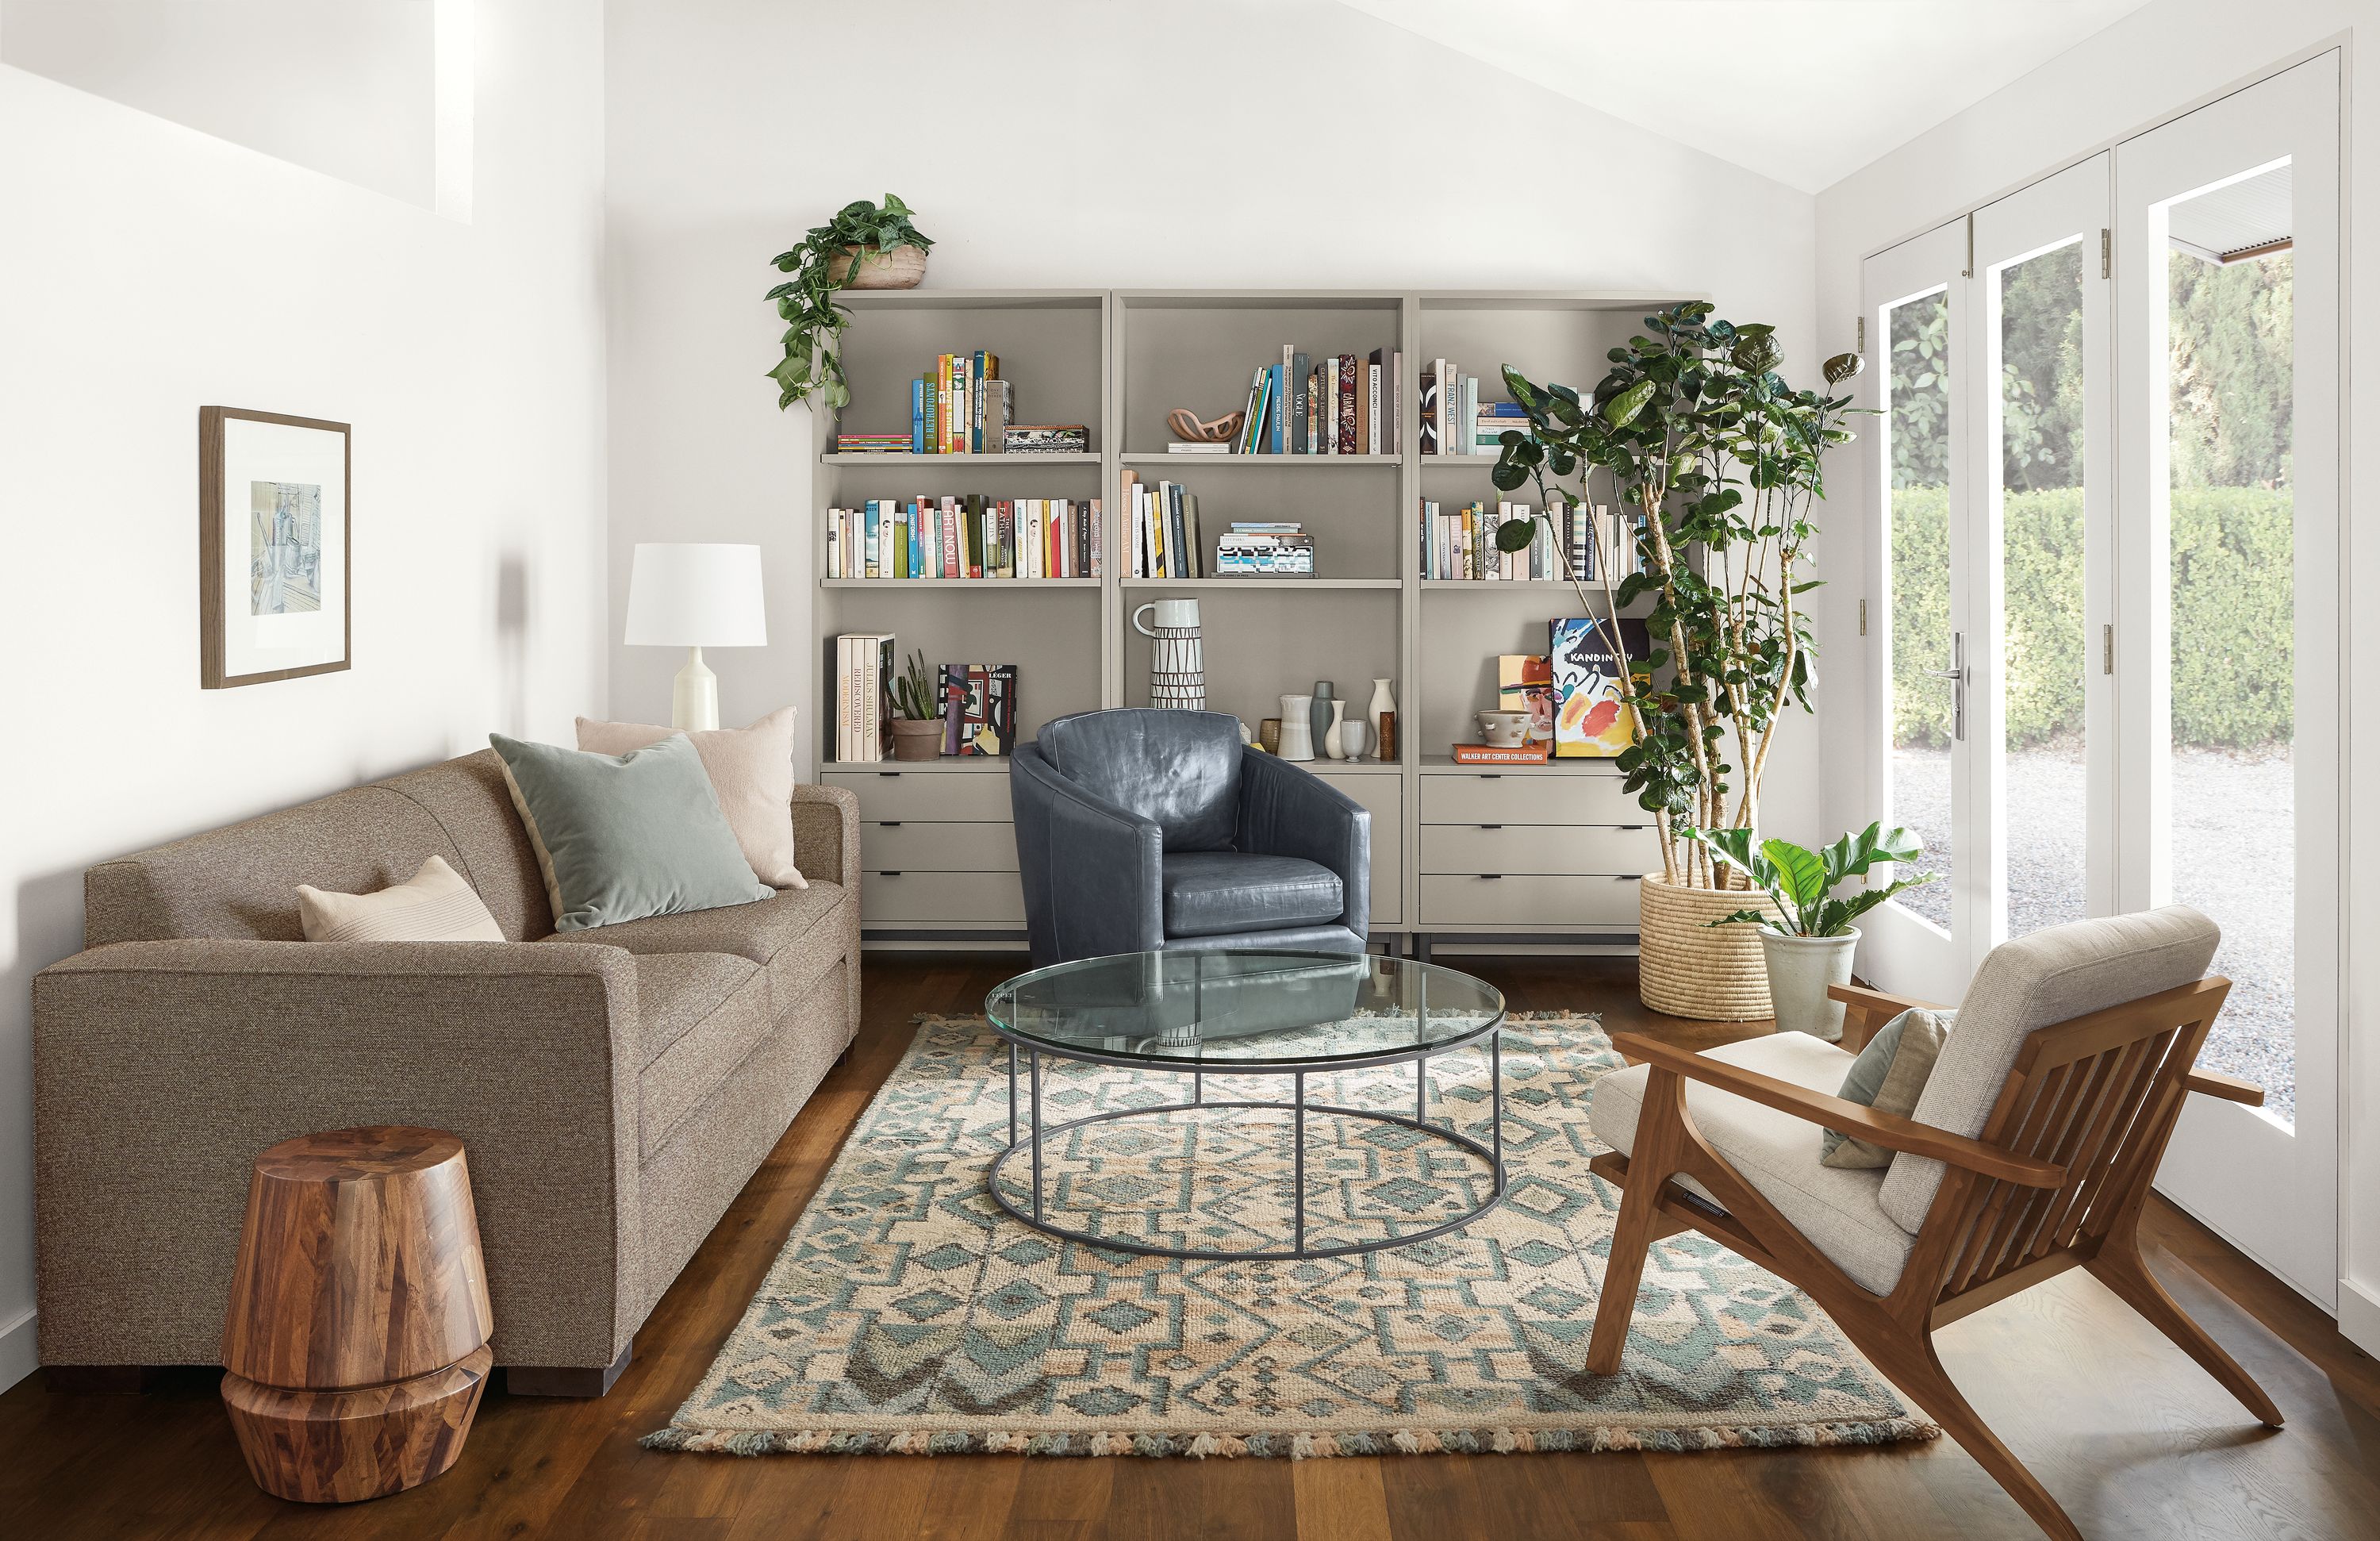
[969, 537]
[1163, 526]
[1254, 547]
[1574, 693]
[961, 408]
[977, 701]
[1459, 544]
[1337, 405]
[1455, 421]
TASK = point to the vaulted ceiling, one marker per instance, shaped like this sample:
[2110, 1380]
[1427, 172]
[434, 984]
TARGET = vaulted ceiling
[1805, 92]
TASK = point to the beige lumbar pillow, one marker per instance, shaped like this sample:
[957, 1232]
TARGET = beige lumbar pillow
[434, 905]
[752, 770]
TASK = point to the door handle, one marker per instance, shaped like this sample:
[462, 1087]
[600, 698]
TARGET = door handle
[1957, 675]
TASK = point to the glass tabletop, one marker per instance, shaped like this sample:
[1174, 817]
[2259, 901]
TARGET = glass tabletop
[1248, 1009]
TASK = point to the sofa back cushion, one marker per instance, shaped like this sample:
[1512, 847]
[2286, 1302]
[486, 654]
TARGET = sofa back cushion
[241, 882]
[1179, 769]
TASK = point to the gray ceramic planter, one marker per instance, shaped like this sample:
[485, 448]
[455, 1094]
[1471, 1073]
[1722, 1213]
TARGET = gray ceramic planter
[1800, 969]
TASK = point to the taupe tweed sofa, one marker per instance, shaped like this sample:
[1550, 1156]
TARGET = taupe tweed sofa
[615, 1088]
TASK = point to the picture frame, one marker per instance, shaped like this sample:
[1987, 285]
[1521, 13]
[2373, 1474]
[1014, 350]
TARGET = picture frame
[276, 552]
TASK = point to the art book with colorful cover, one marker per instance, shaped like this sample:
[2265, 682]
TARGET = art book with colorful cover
[1591, 720]
[1524, 682]
[979, 709]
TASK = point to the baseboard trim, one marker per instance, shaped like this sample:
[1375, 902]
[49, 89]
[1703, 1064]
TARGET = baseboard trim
[20, 1349]
[2358, 1317]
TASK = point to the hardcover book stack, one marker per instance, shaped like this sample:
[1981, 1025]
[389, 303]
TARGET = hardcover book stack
[1046, 439]
[1454, 420]
[970, 537]
[871, 443]
[864, 668]
[1163, 530]
[1336, 405]
[1265, 549]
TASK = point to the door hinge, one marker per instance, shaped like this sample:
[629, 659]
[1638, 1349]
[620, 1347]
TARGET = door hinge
[1862, 349]
[1862, 617]
[2106, 253]
[1969, 271]
[2107, 649]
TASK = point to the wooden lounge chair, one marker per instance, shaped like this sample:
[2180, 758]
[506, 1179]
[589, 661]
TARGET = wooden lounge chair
[2028, 1152]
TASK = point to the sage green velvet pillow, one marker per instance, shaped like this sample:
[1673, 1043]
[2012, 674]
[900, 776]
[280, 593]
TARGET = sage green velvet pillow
[1887, 1076]
[619, 837]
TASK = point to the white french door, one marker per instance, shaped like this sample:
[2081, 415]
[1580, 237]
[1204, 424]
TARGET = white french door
[2104, 621]
[2229, 644]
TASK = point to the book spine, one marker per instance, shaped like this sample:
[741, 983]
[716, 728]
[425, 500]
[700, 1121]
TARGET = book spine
[870, 567]
[1177, 532]
[1330, 405]
[917, 416]
[1397, 403]
[1098, 541]
[1349, 443]
[1299, 367]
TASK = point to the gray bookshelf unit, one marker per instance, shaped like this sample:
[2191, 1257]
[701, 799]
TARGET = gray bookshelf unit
[1460, 854]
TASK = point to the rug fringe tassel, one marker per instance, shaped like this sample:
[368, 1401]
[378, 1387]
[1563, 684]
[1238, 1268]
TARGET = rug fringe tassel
[1299, 1447]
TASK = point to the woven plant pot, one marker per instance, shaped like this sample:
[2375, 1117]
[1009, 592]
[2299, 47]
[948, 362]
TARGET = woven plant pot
[1687, 966]
[903, 267]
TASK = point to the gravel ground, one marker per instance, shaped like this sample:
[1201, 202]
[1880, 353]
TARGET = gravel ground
[2234, 834]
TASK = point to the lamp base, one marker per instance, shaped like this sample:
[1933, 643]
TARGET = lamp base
[694, 696]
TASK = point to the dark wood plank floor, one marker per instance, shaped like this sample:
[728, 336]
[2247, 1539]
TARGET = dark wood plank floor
[2132, 1437]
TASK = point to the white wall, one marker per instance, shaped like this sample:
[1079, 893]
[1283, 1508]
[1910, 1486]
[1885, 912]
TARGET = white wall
[149, 270]
[1105, 146]
[2165, 57]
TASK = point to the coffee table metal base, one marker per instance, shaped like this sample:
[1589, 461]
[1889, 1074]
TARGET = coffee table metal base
[1036, 1133]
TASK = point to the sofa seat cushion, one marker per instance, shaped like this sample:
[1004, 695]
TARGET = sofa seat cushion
[788, 935]
[699, 1015]
[1215, 892]
[1835, 1207]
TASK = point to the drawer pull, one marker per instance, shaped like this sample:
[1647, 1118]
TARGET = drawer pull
[888, 874]
[1492, 775]
[1491, 876]
[1491, 826]
[888, 824]
[890, 775]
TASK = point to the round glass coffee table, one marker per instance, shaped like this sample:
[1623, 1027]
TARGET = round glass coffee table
[1254, 1014]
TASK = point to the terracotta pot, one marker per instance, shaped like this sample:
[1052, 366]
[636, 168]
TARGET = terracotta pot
[1688, 968]
[903, 267]
[919, 738]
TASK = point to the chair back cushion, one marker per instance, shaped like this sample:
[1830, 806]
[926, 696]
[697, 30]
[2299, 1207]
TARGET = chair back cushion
[2050, 976]
[1179, 769]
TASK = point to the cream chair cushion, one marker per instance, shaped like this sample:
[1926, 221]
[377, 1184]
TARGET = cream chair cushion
[2050, 976]
[1835, 1207]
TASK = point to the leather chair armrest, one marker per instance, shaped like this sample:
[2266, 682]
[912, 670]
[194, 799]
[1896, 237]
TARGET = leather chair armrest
[1288, 812]
[1093, 873]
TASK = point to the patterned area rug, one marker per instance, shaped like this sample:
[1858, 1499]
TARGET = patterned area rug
[907, 1314]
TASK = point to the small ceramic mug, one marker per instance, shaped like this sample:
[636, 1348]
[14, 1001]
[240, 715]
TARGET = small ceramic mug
[1504, 730]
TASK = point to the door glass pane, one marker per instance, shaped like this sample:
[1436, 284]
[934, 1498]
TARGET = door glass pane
[2043, 651]
[1917, 429]
[2232, 547]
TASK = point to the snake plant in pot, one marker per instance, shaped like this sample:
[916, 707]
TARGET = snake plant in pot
[1806, 935]
[1712, 463]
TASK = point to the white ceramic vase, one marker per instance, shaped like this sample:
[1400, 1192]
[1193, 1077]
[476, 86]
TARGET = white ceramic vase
[1800, 969]
[1333, 744]
[1382, 703]
[1353, 738]
[1177, 663]
[1296, 727]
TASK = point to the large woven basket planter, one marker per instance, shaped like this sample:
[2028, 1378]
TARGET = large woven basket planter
[1689, 968]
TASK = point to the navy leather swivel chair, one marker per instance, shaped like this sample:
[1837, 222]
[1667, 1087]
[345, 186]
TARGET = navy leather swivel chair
[1143, 830]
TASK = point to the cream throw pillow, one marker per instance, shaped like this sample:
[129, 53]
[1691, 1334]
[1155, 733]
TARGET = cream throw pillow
[434, 905]
[752, 770]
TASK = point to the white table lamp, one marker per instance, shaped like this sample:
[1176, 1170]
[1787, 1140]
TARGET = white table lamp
[696, 597]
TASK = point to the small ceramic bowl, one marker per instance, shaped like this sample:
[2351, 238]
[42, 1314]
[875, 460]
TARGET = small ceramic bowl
[1504, 730]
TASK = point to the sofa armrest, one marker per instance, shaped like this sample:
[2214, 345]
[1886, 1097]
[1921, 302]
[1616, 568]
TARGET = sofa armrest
[161, 1069]
[826, 833]
[1285, 811]
[1093, 873]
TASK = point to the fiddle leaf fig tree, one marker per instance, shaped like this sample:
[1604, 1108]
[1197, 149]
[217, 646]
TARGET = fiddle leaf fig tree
[814, 323]
[1713, 463]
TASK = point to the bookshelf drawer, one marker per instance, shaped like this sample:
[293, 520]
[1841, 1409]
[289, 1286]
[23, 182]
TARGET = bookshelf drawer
[937, 847]
[1531, 797]
[1560, 849]
[927, 795]
[1553, 903]
[942, 899]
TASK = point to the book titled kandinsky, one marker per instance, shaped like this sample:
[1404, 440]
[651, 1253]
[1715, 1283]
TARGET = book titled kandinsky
[1592, 720]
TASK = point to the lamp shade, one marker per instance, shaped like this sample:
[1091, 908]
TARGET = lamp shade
[695, 595]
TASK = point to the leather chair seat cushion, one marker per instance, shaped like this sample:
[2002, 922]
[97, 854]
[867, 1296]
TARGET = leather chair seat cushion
[1215, 892]
[700, 1015]
[786, 935]
[1837, 1208]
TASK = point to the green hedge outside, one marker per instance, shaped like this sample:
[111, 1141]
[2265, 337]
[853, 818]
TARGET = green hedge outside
[2232, 615]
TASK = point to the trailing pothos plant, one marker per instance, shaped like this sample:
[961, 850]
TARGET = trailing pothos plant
[1802, 882]
[814, 323]
[1712, 461]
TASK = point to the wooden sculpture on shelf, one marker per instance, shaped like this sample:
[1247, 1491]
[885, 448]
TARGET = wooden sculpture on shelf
[356, 1343]
[1188, 426]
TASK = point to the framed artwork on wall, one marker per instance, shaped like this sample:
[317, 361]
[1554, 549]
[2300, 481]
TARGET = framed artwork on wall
[274, 563]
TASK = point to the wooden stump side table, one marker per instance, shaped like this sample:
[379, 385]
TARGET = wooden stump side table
[356, 1343]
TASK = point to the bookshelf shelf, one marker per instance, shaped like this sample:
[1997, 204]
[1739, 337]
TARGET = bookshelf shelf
[912, 462]
[1118, 361]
